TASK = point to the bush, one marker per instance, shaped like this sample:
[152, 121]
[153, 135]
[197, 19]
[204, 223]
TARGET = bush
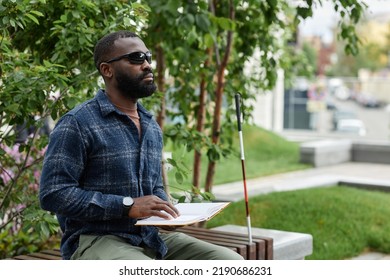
[24, 227]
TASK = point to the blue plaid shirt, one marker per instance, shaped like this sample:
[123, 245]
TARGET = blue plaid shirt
[95, 158]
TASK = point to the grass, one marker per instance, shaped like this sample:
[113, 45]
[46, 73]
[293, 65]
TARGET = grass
[343, 221]
[266, 153]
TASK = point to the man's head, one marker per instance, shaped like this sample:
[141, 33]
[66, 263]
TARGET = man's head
[124, 63]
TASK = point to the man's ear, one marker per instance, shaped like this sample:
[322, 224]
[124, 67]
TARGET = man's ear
[106, 70]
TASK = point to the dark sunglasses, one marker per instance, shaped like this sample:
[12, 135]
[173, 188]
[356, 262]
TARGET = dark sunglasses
[134, 57]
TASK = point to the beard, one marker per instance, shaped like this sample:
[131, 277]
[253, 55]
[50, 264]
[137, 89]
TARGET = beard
[135, 87]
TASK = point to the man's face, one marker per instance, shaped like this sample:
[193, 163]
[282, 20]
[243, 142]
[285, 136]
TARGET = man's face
[133, 80]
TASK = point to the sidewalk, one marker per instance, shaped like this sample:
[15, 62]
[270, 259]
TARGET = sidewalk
[362, 174]
[352, 172]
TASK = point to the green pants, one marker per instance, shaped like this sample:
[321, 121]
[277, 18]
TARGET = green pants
[180, 247]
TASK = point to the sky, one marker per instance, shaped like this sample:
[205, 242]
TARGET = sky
[324, 18]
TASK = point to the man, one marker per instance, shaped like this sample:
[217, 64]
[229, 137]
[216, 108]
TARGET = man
[102, 169]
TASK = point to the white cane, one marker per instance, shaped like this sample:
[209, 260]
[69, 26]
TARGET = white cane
[248, 217]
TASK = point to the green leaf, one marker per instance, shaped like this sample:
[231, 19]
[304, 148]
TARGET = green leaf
[47, 63]
[202, 22]
[176, 195]
[37, 13]
[127, 21]
[71, 102]
[138, 6]
[304, 12]
[44, 230]
[64, 18]
[272, 3]
[179, 177]
[172, 162]
[207, 196]
[76, 14]
[188, 20]
[54, 114]
[13, 108]
[5, 20]
[33, 18]
[224, 23]
[213, 154]
[192, 36]
[208, 40]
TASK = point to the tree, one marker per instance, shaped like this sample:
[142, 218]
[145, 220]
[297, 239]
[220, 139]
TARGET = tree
[373, 54]
[216, 45]
[369, 57]
[46, 69]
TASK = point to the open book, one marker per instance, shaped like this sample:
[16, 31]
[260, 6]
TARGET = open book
[190, 213]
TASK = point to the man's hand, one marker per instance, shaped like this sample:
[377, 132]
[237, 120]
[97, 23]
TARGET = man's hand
[152, 205]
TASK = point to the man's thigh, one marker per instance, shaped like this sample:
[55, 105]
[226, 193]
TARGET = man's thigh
[185, 247]
[109, 247]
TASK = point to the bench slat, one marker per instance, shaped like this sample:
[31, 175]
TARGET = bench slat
[26, 257]
[45, 256]
[264, 245]
[268, 242]
[53, 252]
[260, 249]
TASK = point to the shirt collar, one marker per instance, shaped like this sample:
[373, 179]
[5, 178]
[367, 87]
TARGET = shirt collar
[107, 107]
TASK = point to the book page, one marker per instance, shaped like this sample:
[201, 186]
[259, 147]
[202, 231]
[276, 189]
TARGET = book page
[181, 220]
[190, 213]
[205, 209]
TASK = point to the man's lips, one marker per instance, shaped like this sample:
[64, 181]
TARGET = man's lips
[149, 77]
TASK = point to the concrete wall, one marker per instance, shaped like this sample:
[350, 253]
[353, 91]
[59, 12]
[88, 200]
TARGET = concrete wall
[325, 152]
[371, 152]
[268, 108]
[329, 152]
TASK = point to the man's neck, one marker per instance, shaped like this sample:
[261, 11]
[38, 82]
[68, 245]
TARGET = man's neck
[121, 102]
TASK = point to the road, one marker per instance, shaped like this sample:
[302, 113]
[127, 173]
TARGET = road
[376, 121]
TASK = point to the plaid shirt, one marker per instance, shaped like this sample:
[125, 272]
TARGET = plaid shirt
[95, 158]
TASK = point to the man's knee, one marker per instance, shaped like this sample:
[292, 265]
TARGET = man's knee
[109, 247]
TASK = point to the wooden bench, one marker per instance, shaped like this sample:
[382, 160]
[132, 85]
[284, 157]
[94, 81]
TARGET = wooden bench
[43, 255]
[260, 249]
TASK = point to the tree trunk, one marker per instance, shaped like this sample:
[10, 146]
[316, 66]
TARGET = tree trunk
[218, 102]
[160, 62]
[201, 116]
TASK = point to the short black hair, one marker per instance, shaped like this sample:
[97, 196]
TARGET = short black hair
[104, 46]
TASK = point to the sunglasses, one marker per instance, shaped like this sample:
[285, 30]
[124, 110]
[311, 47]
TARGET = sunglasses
[134, 57]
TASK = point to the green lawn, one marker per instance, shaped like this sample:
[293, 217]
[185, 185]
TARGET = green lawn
[266, 153]
[343, 221]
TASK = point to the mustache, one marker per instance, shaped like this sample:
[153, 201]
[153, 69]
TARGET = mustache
[144, 74]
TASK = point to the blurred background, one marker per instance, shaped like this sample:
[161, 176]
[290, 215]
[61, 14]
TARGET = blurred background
[345, 95]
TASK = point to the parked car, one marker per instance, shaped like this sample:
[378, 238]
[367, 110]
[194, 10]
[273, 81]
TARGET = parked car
[341, 115]
[353, 126]
[330, 105]
[368, 101]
